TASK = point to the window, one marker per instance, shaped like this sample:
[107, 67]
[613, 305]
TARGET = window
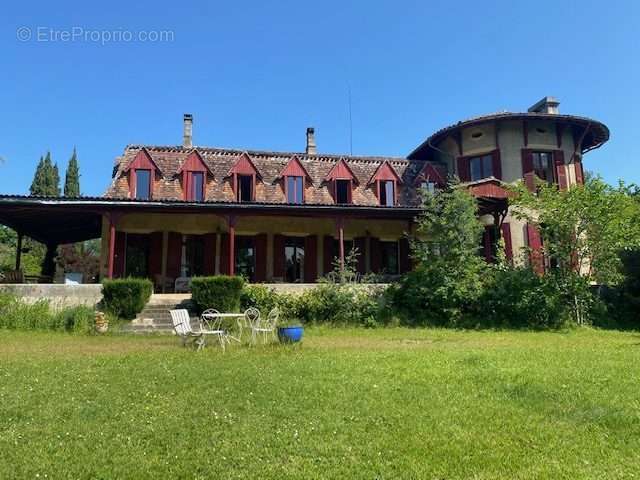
[543, 165]
[136, 255]
[294, 259]
[429, 186]
[143, 184]
[197, 187]
[389, 258]
[387, 197]
[245, 188]
[245, 258]
[343, 188]
[193, 260]
[481, 167]
[295, 189]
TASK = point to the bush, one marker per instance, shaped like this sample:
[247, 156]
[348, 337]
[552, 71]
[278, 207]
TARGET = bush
[18, 315]
[126, 297]
[261, 297]
[221, 292]
[518, 298]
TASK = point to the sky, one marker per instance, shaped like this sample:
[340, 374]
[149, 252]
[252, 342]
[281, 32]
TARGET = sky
[101, 75]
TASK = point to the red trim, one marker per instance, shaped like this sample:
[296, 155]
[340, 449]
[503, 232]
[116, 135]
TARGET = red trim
[464, 169]
[579, 171]
[379, 191]
[341, 171]
[431, 173]
[142, 161]
[112, 247]
[310, 258]
[506, 236]
[496, 164]
[561, 171]
[195, 163]
[489, 188]
[385, 172]
[294, 168]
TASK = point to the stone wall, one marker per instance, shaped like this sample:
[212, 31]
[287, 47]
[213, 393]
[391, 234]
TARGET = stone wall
[58, 294]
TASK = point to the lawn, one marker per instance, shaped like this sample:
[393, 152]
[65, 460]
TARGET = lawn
[387, 403]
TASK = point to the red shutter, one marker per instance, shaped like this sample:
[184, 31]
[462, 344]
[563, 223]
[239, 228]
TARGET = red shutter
[375, 254]
[464, 171]
[174, 255]
[534, 241]
[224, 253]
[327, 248]
[261, 257]
[311, 259]
[405, 261]
[527, 169]
[118, 260]
[579, 172]
[210, 254]
[506, 236]
[561, 171]
[155, 255]
[496, 164]
[360, 243]
[186, 185]
[278, 256]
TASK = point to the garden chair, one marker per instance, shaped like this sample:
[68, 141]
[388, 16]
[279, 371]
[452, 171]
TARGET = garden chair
[251, 318]
[265, 326]
[183, 328]
[215, 326]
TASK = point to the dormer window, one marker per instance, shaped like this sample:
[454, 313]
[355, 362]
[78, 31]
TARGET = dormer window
[387, 193]
[295, 189]
[143, 184]
[343, 191]
[245, 188]
[429, 186]
[197, 187]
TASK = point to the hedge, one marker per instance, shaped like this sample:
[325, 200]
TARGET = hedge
[126, 297]
[221, 292]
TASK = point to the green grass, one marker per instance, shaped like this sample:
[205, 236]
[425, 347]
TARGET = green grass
[388, 403]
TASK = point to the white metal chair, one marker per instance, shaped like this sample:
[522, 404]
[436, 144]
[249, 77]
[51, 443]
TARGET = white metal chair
[251, 318]
[214, 323]
[265, 326]
[183, 328]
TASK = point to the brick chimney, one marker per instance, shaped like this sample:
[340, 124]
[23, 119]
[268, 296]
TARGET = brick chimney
[546, 105]
[311, 142]
[187, 137]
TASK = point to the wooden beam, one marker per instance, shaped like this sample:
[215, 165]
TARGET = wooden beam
[19, 251]
[231, 222]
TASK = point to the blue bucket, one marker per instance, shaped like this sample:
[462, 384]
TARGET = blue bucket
[290, 334]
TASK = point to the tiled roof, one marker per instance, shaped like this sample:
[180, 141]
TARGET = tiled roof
[269, 164]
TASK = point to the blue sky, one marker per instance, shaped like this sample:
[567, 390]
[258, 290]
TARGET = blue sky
[256, 74]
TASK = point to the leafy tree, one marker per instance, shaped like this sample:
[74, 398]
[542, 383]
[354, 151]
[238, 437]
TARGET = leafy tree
[72, 177]
[583, 231]
[447, 282]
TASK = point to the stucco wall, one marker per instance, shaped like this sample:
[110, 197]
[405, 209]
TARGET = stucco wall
[58, 295]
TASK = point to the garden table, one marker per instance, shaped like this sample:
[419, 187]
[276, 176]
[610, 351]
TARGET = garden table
[211, 317]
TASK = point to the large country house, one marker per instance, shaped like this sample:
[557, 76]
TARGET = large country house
[174, 212]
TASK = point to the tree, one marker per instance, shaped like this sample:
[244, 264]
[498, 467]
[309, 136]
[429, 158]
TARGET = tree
[72, 177]
[445, 286]
[583, 231]
[46, 180]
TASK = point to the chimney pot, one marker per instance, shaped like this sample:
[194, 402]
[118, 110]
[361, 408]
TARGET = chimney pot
[311, 142]
[187, 137]
[546, 105]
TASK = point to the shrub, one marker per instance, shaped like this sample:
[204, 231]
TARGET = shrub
[261, 297]
[76, 319]
[126, 297]
[221, 292]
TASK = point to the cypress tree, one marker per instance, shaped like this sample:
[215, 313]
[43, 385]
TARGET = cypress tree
[37, 186]
[72, 177]
[55, 181]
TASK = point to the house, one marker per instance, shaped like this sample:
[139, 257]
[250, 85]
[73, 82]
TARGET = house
[174, 212]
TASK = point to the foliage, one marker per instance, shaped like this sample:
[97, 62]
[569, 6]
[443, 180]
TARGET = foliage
[16, 314]
[126, 297]
[447, 281]
[72, 177]
[32, 252]
[46, 180]
[221, 292]
[81, 257]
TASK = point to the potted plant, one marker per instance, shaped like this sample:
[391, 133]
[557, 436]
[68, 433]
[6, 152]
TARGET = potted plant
[101, 322]
[290, 332]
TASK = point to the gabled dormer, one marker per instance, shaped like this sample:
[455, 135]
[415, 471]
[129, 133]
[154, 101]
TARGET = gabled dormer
[243, 176]
[341, 181]
[194, 173]
[431, 178]
[294, 180]
[385, 182]
[142, 171]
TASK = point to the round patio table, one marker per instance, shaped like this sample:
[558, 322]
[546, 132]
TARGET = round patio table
[210, 318]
